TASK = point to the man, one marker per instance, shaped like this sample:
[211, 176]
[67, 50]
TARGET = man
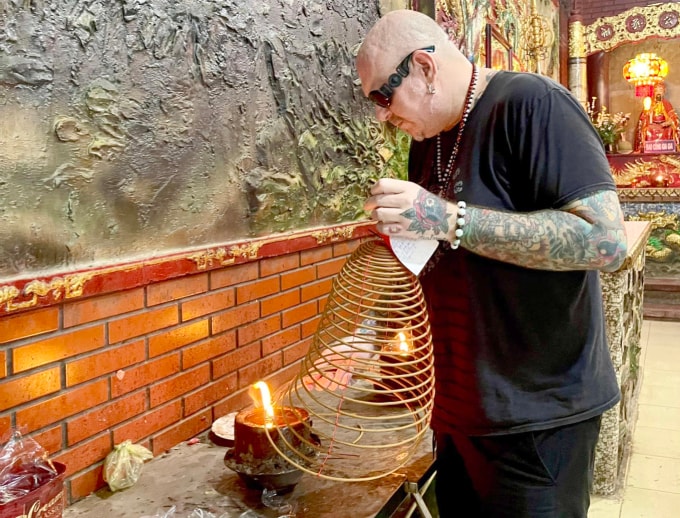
[509, 175]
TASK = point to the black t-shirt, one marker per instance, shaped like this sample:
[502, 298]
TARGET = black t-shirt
[517, 349]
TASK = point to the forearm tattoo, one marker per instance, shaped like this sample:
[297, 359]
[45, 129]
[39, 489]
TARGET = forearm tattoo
[586, 234]
[428, 217]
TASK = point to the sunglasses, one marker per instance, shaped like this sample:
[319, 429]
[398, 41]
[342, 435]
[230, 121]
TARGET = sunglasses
[383, 95]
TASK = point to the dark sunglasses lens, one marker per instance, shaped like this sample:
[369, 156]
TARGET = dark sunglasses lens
[380, 99]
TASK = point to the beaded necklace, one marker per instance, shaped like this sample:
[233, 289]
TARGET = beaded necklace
[444, 177]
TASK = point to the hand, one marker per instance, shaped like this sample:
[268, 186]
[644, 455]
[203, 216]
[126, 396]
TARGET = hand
[338, 362]
[407, 210]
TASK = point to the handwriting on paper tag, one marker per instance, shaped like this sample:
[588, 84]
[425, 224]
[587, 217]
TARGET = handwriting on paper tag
[413, 253]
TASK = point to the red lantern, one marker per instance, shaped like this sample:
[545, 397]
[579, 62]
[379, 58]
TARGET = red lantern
[644, 71]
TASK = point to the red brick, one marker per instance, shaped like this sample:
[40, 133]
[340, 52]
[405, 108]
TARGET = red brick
[208, 349]
[5, 428]
[274, 265]
[315, 255]
[234, 360]
[237, 401]
[142, 323]
[3, 364]
[296, 352]
[57, 348]
[276, 342]
[18, 390]
[345, 248]
[298, 277]
[279, 302]
[67, 403]
[263, 327]
[28, 324]
[259, 370]
[182, 431]
[176, 289]
[109, 360]
[232, 275]
[145, 374]
[86, 482]
[206, 396]
[235, 317]
[148, 423]
[86, 454]
[104, 417]
[206, 304]
[298, 314]
[177, 337]
[316, 289]
[309, 327]
[96, 308]
[178, 385]
[257, 290]
[51, 439]
[329, 268]
[281, 379]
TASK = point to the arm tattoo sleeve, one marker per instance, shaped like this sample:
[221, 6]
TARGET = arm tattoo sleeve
[585, 234]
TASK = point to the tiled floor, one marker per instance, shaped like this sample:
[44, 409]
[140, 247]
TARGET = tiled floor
[652, 485]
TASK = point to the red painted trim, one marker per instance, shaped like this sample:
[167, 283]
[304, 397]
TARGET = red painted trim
[22, 294]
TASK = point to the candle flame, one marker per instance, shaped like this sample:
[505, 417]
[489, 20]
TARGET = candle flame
[265, 400]
[404, 345]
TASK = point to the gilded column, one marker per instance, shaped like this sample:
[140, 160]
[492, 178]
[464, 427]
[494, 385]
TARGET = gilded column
[578, 70]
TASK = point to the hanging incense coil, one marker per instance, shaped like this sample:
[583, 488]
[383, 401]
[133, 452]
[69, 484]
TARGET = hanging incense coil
[367, 381]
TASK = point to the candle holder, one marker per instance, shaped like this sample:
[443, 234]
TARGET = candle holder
[255, 458]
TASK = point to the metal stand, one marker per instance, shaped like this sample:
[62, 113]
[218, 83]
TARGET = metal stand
[417, 494]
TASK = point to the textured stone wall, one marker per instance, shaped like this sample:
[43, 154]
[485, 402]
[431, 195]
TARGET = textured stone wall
[622, 293]
[131, 128]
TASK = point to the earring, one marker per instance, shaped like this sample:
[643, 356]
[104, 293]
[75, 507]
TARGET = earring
[430, 89]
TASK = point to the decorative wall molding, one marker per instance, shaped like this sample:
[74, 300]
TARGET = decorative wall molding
[635, 24]
[32, 293]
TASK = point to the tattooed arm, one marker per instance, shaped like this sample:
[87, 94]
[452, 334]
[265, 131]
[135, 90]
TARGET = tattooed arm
[586, 234]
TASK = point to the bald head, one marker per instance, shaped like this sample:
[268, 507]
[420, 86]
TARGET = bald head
[395, 35]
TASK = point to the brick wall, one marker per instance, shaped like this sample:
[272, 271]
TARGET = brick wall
[591, 10]
[158, 363]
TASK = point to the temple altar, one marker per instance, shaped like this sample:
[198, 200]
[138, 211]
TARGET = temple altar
[649, 190]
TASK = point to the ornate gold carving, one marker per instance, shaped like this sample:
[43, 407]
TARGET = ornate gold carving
[649, 193]
[333, 234]
[577, 46]
[8, 294]
[248, 251]
[209, 257]
[658, 219]
[635, 24]
[68, 287]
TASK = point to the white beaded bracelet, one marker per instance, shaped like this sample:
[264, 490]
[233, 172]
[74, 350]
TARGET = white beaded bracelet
[460, 223]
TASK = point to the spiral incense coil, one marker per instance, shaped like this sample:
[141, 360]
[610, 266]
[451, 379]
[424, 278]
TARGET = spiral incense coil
[367, 381]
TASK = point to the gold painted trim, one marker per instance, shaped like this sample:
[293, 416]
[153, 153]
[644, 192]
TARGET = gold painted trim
[73, 285]
[635, 24]
[577, 47]
[333, 234]
[648, 192]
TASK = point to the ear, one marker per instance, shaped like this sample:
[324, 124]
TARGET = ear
[427, 66]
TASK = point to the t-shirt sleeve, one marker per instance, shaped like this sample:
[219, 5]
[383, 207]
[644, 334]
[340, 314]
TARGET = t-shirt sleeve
[558, 150]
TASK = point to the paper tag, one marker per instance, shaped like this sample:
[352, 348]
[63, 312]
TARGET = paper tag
[413, 253]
